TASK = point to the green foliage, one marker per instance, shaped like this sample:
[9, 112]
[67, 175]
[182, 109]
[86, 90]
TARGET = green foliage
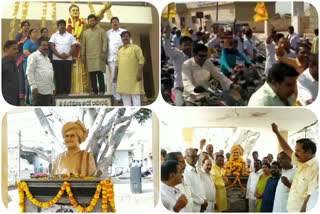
[142, 115]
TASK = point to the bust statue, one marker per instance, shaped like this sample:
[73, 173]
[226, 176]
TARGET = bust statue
[74, 160]
[236, 165]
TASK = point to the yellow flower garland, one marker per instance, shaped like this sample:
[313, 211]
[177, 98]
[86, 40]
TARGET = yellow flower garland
[235, 167]
[44, 14]
[54, 15]
[107, 196]
[13, 21]
[234, 182]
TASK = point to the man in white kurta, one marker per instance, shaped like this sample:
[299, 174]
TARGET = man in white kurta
[114, 42]
[208, 184]
[252, 184]
[284, 184]
[192, 178]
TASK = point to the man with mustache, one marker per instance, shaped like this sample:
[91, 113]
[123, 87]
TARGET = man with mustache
[114, 42]
[93, 46]
[129, 71]
[305, 180]
[63, 45]
[40, 75]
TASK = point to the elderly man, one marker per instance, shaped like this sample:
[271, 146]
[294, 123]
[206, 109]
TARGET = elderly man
[63, 45]
[279, 89]
[192, 178]
[208, 184]
[270, 189]
[129, 71]
[220, 180]
[40, 75]
[171, 175]
[209, 149]
[93, 46]
[10, 73]
[284, 184]
[74, 160]
[308, 84]
[305, 180]
[114, 42]
[183, 187]
[252, 184]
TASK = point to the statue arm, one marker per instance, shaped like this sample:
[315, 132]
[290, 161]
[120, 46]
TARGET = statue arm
[100, 14]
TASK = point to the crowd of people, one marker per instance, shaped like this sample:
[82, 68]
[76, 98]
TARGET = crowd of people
[290, 68]
[36, 68]
[196, 181]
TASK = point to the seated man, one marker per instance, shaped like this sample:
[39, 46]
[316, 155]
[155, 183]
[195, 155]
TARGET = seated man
[279, 88]
[308, 82]
[229, 57]
[198, 71]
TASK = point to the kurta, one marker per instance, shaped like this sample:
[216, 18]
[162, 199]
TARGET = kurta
[221, 192]
[93, 43]
[129, 58]
[261, 185]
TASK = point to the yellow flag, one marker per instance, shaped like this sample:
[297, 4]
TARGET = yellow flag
[261, 12]
[169, 11]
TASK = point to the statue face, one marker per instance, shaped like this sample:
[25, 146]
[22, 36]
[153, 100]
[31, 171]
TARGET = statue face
[74, 12]
[71, 139]
[236, 154]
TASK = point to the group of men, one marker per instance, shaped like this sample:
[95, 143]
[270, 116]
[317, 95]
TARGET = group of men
[291, 67]
[193, 183]
[50, 77]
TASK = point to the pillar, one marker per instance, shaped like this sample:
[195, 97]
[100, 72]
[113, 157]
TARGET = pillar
[267, 28]
[4, 161]
[297, 14]
[155, 157]
[187, 136]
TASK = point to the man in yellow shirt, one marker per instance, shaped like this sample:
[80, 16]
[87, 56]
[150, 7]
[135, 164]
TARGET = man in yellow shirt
[305, 180]
[129, 71]
[220, 179]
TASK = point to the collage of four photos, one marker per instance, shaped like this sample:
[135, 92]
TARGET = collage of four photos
[159, 106]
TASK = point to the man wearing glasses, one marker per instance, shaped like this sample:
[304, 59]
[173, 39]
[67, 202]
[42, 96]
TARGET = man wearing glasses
[198, 71]
[192, 178]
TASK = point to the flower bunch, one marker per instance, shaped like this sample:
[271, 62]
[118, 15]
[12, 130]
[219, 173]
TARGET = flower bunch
[235, 167]
[105, 186]
[14, 18]
[44, 13]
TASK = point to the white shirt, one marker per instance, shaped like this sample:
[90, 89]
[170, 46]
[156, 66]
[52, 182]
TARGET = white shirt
[114, 42]
[271, 56]
[214, 42]
[282, 191]
[248, 46]
[307, 87]
[194, 75]
[294, 39]
[178, 57]
[192, 179]
[209, 189]
[252, 184]
[169, 196]
[63, 44]
[186, 190]
[40, 73]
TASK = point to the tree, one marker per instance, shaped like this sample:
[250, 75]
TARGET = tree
[107, 127]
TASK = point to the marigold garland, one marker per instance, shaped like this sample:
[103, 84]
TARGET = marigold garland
[105, 186]
[235, 167]
[44, 14]
[54, 15]
[237, 179]
[92, 11]
[14, 18]
[24, 12]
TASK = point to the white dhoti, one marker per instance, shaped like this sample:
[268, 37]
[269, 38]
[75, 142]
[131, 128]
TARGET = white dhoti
[112, 68]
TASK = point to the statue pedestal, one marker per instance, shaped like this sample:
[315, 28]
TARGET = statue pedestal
[45, 190]
[236, 196]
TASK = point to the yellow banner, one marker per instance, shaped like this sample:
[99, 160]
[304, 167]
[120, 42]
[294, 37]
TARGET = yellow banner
[169, 11]
[261, 12]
